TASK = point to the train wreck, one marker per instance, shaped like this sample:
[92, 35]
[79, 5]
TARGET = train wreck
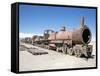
[74, 43]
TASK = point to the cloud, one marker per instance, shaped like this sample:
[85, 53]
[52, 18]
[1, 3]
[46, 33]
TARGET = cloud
[23, 35]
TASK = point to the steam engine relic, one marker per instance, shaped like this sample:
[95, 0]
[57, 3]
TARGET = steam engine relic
[73, 43]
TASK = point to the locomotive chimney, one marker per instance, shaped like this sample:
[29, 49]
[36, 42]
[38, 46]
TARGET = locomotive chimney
[82, 22]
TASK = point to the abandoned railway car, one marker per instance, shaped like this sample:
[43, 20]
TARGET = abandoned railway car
[72, 43]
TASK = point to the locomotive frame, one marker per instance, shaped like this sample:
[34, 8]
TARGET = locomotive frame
[15, 37]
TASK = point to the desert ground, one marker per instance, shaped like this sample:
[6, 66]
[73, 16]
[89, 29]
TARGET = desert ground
[51, 60]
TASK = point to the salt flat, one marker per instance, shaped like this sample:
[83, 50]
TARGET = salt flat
[52, 60]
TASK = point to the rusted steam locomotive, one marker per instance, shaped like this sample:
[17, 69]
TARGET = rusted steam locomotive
[72, 43]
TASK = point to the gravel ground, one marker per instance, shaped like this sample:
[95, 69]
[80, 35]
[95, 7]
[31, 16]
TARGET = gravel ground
[52, 60]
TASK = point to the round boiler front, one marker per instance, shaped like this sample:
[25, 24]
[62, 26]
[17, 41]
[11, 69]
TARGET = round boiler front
[81, 36]
[86, 36]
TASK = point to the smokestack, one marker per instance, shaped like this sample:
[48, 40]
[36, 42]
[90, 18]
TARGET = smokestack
[82, 22]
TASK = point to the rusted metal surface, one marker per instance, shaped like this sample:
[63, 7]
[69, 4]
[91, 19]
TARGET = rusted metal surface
[52, 36]
[47, 33]
[36, 51]
[81, 36]
[63, 35]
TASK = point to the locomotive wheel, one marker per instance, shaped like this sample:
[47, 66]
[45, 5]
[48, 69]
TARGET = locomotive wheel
[57, 49]
[70, 52]
[88, 54]
[78, 53]
[64, 50]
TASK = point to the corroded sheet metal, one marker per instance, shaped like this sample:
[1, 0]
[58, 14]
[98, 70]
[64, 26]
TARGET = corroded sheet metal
[63, 35]
[81, 36]
[52, 36]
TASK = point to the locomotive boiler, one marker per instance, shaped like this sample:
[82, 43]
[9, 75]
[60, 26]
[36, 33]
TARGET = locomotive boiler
[74, 42]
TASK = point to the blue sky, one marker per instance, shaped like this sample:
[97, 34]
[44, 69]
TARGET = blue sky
[35, 19]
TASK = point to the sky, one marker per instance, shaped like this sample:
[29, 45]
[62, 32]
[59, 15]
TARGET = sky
[33, 20]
